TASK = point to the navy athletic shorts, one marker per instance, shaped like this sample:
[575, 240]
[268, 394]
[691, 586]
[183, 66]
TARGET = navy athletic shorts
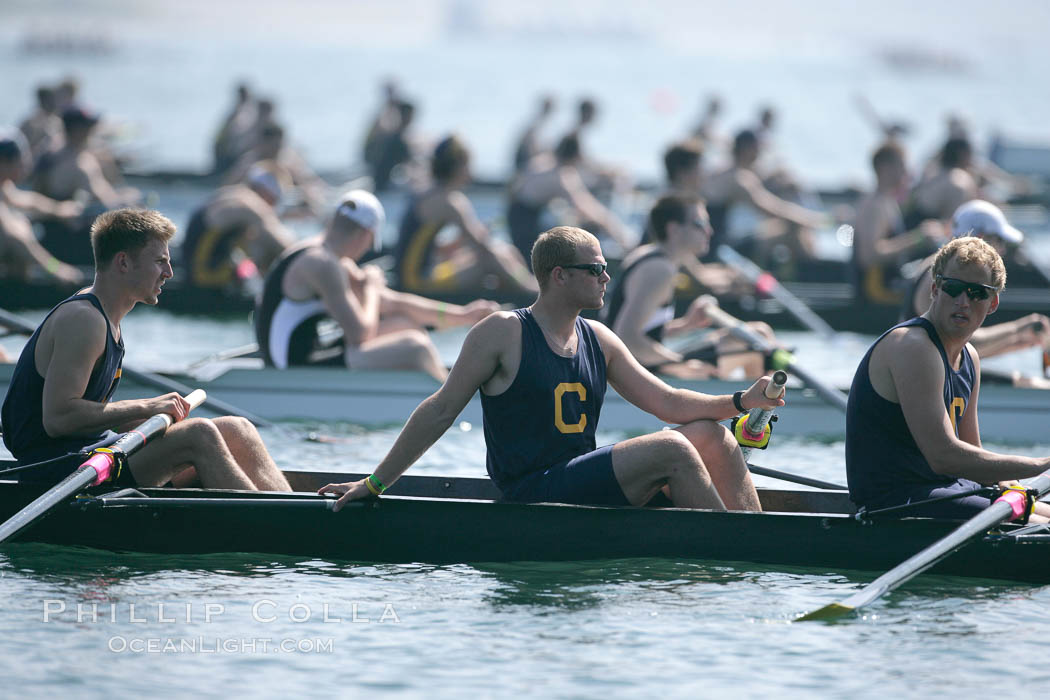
[584, 480]
[962, 508]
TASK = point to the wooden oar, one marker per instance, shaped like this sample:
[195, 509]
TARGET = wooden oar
[767, 284]
[780, 357]
[1010, 505]
[97, 469]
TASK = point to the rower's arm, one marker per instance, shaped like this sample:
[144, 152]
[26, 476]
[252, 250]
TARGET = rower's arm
[358, 317]
[271, 236]
[94, 181]
[917, 376]
[1032, 330]
[38, 206]
[752, 190]
[479, 360]
[646, 287]
[66, 368]
[574, 189]
[872, 242]
[640, 387]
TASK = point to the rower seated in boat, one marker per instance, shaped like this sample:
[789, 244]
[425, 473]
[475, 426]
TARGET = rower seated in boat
[471, 261]
[641, 306]
[786, 224]
[20, 253]
[987, 222]
[78, 169]
[58, 401]
[543, 373]
[319, 278]
[881, 244]
[556, 176]
[911, 421]
[235, 236]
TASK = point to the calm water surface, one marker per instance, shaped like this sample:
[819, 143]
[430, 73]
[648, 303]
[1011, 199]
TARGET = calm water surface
[608, 628]
[275, 626]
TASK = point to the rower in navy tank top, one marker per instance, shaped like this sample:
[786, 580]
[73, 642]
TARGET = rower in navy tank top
[912, 432]
[543, 372]
[884, 465]
[23, 412]
[540, 431]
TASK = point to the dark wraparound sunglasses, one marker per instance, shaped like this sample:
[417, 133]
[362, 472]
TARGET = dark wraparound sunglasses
[595, 269]
[953, 288]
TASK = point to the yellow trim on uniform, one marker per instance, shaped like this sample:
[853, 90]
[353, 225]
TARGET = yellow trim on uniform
[875, 289]
[203, 272]
[443, 276]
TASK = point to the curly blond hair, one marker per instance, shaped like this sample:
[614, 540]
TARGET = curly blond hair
[970, 250]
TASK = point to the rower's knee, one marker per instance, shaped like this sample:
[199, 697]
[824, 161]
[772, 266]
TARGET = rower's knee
[709, 435]
[675, 452]
[202, 434]
[234, 426]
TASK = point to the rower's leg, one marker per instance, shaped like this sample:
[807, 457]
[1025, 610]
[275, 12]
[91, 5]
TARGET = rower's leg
[402, 350]
[643, 465]
[249, 451]
[195, 441]
[725, 463]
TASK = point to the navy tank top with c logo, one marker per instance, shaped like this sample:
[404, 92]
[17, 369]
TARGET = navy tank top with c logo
[550, 412]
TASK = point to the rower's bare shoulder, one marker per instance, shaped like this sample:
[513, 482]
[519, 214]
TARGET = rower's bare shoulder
[501, 325]
[76, 318]
[907, 348]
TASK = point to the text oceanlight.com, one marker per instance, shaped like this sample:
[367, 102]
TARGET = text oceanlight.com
[218, 645]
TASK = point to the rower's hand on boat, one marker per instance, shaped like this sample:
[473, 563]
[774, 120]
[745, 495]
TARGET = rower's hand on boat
[755, 397]
[349, 491]
[173, 404]
[696, 316]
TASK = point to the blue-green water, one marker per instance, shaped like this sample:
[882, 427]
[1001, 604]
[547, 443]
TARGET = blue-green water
[609, 628]
[279, 626]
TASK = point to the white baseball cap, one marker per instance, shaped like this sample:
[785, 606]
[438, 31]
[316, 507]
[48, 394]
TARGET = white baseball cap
[980, 218]
[363, 208]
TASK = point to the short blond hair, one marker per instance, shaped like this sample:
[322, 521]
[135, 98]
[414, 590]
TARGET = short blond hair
[128, 230]
[557, 247]
[970, 250]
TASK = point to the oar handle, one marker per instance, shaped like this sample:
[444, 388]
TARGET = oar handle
[95, 470]
[133, 440]
[757, 420]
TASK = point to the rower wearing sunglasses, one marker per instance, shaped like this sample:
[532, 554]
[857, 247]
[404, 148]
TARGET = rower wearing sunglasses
[640, 309]
[543, 373]
[911, 421]
[987, 222]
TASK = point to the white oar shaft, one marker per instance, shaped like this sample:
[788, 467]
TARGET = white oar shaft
[768, 284]
[1004, 508]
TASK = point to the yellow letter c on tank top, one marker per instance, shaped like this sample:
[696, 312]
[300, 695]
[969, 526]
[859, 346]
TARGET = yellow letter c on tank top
[559, 421]
[958, 407]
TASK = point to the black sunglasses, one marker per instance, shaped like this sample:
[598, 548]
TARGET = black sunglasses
[976, 291]
[595, 269]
